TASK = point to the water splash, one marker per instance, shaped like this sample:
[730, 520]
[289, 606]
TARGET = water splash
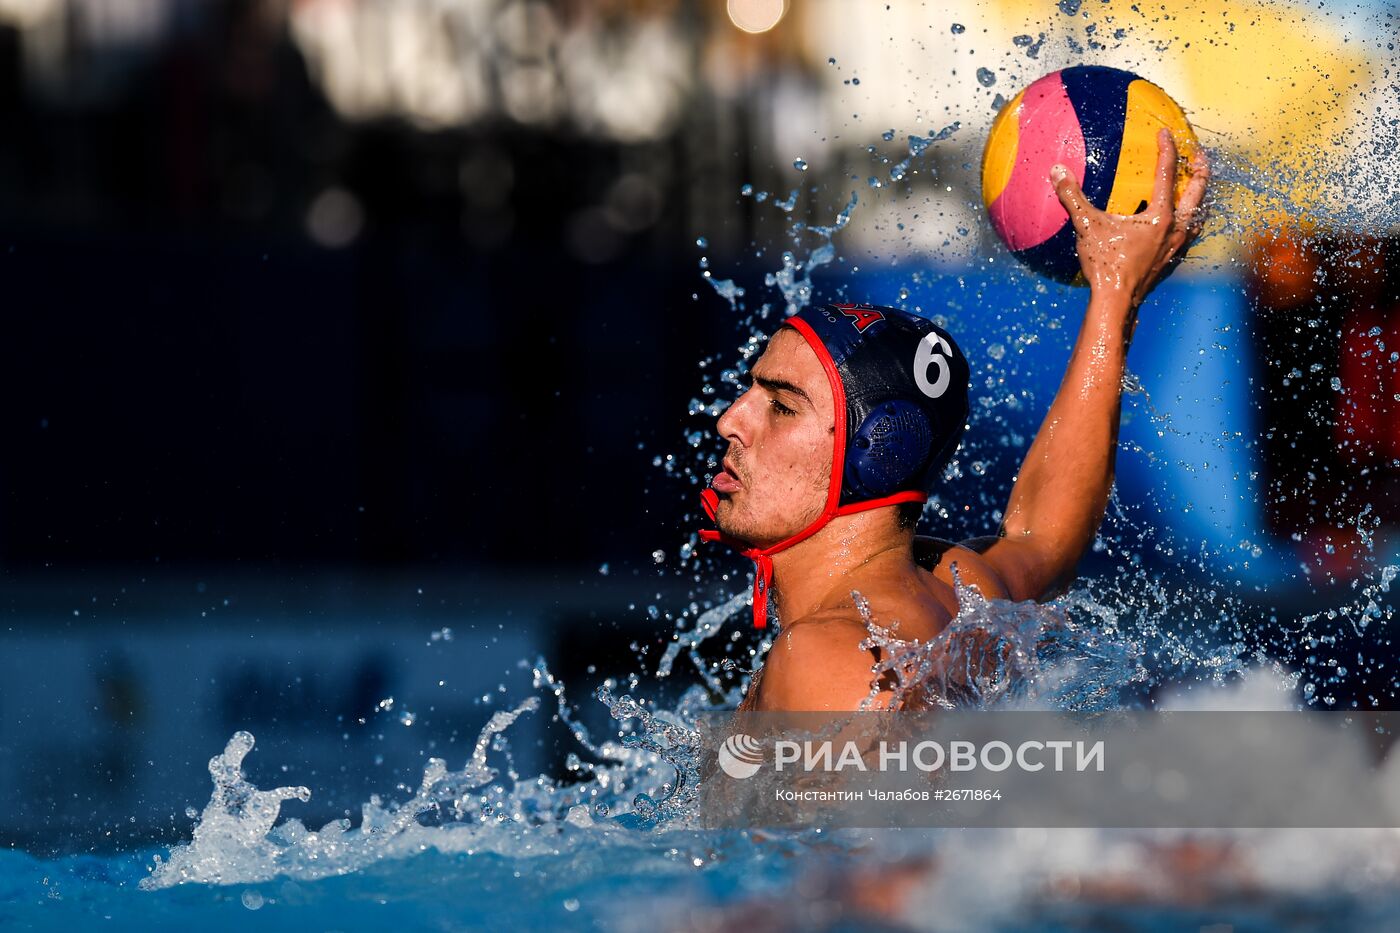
[794, 279]
[918, 145]
[231, 838]
[706, 626]
[997, 654]
[726, 289]
[237, 840]
[647, 777]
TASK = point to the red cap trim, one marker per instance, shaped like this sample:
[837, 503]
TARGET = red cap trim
[892, 499]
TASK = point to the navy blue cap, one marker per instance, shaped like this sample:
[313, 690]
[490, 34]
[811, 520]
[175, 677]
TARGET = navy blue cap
[904, 386]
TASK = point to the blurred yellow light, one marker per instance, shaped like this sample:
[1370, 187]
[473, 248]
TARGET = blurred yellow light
[756, 15]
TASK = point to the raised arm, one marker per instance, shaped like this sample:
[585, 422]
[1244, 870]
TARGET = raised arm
[1060, 494]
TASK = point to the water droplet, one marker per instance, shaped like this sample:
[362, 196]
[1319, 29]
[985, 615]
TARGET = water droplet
[1336, 384]
[799, 164]
[996, 351]
[986, 77]
[887, 135]
[702, 242]
[959, 29]
[252, 900]
[658, 556]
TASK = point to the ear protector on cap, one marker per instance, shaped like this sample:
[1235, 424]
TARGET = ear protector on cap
[903, 384]
[889, 450]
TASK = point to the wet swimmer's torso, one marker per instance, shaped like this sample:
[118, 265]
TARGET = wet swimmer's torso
[852, 414]
[817, 662]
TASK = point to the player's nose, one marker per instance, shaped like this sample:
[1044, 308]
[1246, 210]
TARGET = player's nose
[736, 424]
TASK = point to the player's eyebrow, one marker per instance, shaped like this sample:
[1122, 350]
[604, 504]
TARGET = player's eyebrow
[781, 385]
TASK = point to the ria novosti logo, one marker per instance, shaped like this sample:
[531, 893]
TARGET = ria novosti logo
[741, 756]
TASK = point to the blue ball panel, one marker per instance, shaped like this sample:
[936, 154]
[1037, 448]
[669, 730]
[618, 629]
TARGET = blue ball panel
[1100, 99]
[1055, 257]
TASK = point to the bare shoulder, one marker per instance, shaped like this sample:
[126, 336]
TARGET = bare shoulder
[944, 558]
[818, 664]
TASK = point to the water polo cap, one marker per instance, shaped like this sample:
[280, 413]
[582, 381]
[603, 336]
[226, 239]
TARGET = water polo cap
[900, 386]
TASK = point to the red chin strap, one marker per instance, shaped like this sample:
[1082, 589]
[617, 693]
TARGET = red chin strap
[763, 557]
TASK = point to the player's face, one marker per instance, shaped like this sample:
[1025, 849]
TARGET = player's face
[781, 432]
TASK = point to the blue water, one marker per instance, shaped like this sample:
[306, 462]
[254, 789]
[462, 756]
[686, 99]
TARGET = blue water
[477, 845]
[647, 881]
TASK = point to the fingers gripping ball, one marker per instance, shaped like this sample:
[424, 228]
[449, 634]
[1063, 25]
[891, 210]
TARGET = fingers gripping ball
[1101, 124]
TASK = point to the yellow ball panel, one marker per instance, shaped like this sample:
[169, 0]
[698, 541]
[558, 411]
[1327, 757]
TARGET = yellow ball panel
[1149, 109]
[999, 158]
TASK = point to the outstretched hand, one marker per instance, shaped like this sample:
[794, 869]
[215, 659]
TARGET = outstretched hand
[1128, 254]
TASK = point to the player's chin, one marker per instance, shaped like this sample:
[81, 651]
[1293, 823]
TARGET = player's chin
[731, 518]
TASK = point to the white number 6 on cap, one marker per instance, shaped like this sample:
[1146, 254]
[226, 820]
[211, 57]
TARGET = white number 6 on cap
[931, 353]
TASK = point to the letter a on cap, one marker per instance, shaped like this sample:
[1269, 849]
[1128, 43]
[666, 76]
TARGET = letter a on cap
[861, 318]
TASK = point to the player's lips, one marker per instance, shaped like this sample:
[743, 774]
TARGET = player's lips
[726, 481]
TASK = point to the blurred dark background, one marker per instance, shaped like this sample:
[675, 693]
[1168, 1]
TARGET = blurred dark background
[240, 328]
[300, 284]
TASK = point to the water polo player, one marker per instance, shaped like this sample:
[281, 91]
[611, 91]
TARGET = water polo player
[852, 414]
